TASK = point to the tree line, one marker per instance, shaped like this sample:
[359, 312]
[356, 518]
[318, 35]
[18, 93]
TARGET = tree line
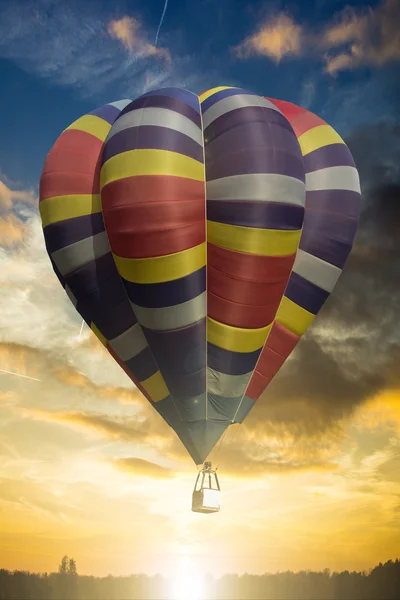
[381, 583]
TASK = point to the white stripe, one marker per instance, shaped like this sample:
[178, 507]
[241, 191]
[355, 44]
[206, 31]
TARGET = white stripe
[267, 187]
[130, 343]
[228, 386]
[172, 317]
[226, 105]
[80, 253]
[315, 270]
[120, 103]
[160, 117]
[333, 178]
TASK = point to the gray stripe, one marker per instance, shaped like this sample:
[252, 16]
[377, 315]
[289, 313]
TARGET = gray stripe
[315, 270]
[161, 117]
[129, 343]
[71, 295]
[232, 103]
[229, 386]
[333, 178]
[268, 187]
[172, 317]
[120, 103]
[80, 253]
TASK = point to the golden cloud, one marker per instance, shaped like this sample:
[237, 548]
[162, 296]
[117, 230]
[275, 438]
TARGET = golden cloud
[127, 31]
[371, 37]
[352, 39]
[13, 231]
[276, 39]
[139, 466]
[9, 196]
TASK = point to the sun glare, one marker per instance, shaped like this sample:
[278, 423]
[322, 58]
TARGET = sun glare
[187, 584]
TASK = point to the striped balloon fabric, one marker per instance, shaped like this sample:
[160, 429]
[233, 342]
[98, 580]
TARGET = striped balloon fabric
[198, 237]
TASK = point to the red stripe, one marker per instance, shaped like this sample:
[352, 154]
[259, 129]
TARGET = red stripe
[72, 166]
[239, 315]
[301, 120]
[282, 340]
[289, 109]
[257, 385]
[241, 303]
[280, 344]
[129, 373]
[249, 267]
[64, 184]
[149, 216]
[151, 188]
[155, 228]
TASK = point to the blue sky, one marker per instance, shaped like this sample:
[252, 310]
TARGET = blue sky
[58, 60]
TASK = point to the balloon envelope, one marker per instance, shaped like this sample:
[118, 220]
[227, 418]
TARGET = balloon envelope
[198, 237]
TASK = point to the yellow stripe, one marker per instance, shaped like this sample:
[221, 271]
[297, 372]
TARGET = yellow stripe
[98, 334]
[317, 137]
[263, 242]
[93, 125]
[150, 162]
[213, 91]
[294, 317]
[155, 386]
[60, 208]
[236, 339]
[162, 268]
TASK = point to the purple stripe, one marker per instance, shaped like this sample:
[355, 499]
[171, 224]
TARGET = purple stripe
[251, 136]
[168, 293]
[232, 363]
[265, 215]
[333, 226]
[332, 251]
[100, 293]
[179, 94]
[266, 160]
[63, 234]
[143, 365]
[328, 236]
[164, 102]
[107, 112]
[305, 294]
[340, 202]
[333, 155]
[243, 116]
[252, 140]
[181, 355]
[224, 94]
[150, 136]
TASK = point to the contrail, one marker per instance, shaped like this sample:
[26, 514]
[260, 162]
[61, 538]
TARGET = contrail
[19, 375]
[161, 22]
[80, 333]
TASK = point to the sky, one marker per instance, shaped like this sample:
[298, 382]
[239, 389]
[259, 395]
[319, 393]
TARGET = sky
[312, 478]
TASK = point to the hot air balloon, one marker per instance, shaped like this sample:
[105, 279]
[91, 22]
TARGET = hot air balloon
[198, 237]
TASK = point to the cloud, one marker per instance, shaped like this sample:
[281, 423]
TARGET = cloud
[141, 467]
[15, 207]
[74, 44]
[127, 30]
[370, 37]
[353, 38]
[277, 38]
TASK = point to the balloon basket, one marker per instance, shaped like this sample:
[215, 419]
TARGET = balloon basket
[206, 496]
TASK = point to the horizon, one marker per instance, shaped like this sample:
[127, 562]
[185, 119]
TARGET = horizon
[89, 468]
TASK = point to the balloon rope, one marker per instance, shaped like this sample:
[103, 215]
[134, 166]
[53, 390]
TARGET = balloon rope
[218, 448]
